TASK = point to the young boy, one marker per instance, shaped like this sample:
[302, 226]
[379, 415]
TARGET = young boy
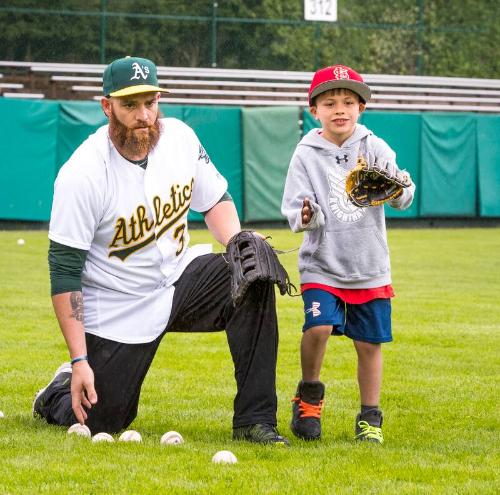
[344, 259]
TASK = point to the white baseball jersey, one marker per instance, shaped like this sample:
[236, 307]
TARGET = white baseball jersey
[133, 223]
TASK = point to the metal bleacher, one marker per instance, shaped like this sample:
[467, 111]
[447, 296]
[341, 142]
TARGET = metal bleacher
[207, 86]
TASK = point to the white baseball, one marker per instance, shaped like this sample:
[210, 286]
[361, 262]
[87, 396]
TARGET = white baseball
[80, 430]
[2, 415]
[224, 457]
[102, 437]
[20, 242]
[171, 438]
[130, 436]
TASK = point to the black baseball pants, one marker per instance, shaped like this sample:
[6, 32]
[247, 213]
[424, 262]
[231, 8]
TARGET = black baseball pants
[201, 303]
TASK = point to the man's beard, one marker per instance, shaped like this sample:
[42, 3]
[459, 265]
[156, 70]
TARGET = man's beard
[131, 143]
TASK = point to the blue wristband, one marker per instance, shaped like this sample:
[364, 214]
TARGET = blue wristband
[79, 358]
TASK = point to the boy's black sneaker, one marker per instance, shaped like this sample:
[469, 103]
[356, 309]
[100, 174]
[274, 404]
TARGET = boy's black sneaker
[62, 378]
[306, 410]
[369, 426]
[259, 433]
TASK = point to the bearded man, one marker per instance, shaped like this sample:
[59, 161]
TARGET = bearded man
[123, 274]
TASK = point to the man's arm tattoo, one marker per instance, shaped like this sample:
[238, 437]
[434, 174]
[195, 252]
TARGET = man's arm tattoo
[76, 300]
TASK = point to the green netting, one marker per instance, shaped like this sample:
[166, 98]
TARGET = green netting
[401, 131]
[28, 149]
[449, 166]
[488, 150]
[270, 136]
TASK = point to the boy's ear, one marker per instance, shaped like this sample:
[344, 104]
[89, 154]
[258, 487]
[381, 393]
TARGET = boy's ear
[362, 107]
[313, 112]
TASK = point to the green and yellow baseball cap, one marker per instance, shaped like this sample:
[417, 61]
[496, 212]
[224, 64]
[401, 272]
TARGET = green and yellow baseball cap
[129, 76]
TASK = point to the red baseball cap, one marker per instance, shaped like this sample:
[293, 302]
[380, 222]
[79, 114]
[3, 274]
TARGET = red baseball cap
[338, 76]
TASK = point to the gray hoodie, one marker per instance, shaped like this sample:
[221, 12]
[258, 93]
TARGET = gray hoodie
[344, 246]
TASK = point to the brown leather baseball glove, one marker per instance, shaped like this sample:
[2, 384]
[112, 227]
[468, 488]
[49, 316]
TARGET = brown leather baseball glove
[373, 185]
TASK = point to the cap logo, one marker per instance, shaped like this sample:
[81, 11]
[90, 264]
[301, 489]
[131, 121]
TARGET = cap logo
[140, 71]
[340, 73]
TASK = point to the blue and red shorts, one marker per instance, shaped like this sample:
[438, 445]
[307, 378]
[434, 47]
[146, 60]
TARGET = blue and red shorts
[366, 322]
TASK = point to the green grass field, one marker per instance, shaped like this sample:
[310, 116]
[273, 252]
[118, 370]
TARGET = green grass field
[440, 392]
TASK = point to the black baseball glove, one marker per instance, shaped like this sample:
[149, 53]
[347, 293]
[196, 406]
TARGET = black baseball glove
[373, 185]
[252, 258]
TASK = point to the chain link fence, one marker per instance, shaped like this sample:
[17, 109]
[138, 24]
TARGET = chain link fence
[393, 37]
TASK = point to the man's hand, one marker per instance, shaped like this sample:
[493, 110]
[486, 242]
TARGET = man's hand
[83, 394]
[307, 212]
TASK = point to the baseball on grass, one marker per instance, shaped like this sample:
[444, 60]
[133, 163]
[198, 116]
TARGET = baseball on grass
[130, 436]
[224, 457]
[102, 437]
[2, 415]
[80, 430]
[171, 438]
[20, 242]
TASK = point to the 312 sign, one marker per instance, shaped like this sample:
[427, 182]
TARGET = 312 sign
[320, 10]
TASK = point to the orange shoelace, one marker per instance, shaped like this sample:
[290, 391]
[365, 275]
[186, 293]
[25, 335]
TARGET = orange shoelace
[308, 410]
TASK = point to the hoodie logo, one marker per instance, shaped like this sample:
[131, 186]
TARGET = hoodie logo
[339, 159]
[343, 210]
[314, 309]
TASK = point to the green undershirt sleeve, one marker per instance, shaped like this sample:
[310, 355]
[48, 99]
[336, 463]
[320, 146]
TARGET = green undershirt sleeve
[225, 197]
[65, 267]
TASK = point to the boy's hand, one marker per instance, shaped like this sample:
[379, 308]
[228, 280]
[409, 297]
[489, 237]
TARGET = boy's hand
[306, 212]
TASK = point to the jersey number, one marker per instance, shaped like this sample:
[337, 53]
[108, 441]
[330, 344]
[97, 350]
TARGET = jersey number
[179, 237]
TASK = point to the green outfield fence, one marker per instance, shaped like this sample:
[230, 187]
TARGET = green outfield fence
[449, 155]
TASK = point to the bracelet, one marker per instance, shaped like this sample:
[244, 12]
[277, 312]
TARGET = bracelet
[79, 358]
